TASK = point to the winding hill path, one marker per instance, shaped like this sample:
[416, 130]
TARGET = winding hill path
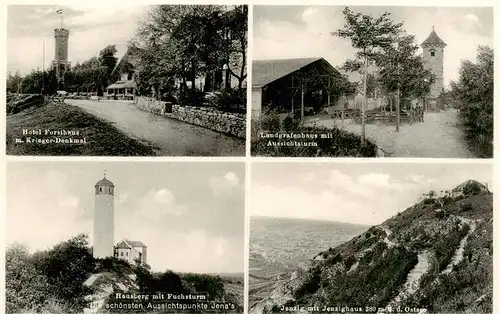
[413, 279]
[459, 253]
[423, 264]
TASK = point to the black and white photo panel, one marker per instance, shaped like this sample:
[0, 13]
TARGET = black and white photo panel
[372, 81]
[115, 237]
[108, 80]
[371, 238]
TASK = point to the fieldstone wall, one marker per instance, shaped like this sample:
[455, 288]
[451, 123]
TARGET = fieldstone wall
[233, 124]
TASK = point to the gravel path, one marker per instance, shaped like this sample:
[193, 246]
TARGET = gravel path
[170, 137]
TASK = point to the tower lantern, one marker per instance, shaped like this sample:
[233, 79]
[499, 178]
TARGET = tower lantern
[104, 219]
[433, 55]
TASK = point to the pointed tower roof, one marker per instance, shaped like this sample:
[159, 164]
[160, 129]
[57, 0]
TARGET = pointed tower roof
[433, 40]
[104, 182]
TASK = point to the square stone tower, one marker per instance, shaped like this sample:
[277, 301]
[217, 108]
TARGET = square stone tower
[60, 63]
[433, 55]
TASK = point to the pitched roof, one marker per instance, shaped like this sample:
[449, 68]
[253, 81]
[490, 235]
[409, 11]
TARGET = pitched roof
[136, 243]
[104, 182]
[267, 71]
[433, 39]
[122, 84]
[127, 57]
[128, 244]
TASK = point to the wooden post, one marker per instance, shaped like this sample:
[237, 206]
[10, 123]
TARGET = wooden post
[397, 110]
[302, 102]
[365, 101]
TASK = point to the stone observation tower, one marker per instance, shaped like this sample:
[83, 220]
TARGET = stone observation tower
[60, 63]
[433, 48]
[104, 219]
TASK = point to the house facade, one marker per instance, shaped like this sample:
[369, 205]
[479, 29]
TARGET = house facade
[294, 86]
[124, 88]
[131, 251]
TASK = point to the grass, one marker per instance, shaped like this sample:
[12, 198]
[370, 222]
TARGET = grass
[102, 138]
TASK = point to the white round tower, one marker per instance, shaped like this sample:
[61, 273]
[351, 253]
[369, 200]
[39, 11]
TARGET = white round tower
[104, 220]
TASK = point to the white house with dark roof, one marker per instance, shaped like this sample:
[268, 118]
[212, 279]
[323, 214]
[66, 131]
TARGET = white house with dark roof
[124, 87]
[131, 251]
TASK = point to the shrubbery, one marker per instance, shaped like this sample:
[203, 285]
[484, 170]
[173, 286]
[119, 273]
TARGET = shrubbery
[445, 247]
[190, 97]
[324, 141]
[213, 286]
[19, 102]
[472, 188]
[474, 89]
[48, 279]
[230, 100]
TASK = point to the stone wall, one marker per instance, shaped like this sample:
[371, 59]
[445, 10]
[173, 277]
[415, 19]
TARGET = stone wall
[233, 124]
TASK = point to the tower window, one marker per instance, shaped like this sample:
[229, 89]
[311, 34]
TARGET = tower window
[433, 53]
[100, 189]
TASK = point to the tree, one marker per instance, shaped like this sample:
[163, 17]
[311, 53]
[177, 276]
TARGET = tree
[67, 266]
[186, 42]
[14, 81]
[235, 46]
[402, 71]
[367, 35]
[474, 89]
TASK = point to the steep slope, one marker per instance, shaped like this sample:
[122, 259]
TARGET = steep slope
[436, 255]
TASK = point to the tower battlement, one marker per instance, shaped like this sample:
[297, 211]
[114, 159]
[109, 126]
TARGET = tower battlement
[61, 32]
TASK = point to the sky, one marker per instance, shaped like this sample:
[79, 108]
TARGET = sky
[91, 29]
[304, 31]
[190, 215]
[358, 193]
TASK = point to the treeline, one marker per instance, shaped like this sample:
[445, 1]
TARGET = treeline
[474, 91]
[184, 42]
[92, 75]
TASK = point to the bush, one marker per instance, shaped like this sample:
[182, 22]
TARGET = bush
[190, 97]
[213, 286]
[472, 188]
[112, 264]
[51, 278]
[320, 141]
[465, 207]
[290, 124]
[230, 100]
[20, 102]
[474, 89]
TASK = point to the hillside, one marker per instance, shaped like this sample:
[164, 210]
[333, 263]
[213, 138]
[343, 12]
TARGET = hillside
[67, 279]
[436, 256]
[35, 127]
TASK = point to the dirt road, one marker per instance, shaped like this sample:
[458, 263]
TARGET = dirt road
[439, 136]
[169, 137]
